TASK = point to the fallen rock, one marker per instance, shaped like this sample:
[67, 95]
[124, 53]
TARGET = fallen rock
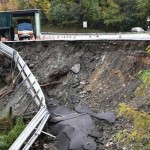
[76, 68]
[82, 83]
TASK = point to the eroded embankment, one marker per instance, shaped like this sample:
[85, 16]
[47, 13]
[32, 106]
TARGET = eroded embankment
[107, 76]
[98, 74]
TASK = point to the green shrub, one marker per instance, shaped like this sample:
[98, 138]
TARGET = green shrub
[143, 89]
[7, 140]
[5, 125]
[139, 134]
[148, 49]
[144, 76]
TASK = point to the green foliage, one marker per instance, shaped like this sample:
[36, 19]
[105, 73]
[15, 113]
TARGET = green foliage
[45, 6]
[148, 49]
[7, 140]
[5, 125]
[58, 14]
[139, 134]
[91, 11]
[143, 8]
[131, 17]
[144, 76]
[119, 15]
[112, 16]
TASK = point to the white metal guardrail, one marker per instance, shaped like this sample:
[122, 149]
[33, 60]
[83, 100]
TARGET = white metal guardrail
[34, 128]
[89, 33]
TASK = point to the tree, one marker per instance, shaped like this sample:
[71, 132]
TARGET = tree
[112, 16]
[143, 7]
[139, 134]
[9, 5]
[58, 12]
[45, 6]
[128, 9]
[91, 12]
[73, 12]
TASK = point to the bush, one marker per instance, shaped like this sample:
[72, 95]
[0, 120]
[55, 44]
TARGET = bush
[7, 140]
[139, 135]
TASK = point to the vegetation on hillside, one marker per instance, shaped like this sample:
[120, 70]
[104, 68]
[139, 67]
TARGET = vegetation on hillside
[138, 135]
[8, 137]
[119, 15]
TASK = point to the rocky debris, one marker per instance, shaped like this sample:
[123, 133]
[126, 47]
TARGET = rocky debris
[31, 65]
[57, 74]
[9, 78]
[76, 68]
[110, 145]
[5, 68]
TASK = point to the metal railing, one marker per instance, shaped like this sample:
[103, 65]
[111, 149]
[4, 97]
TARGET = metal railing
[89, 33]
[34, 128]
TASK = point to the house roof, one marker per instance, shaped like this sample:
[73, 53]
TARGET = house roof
[22, 13]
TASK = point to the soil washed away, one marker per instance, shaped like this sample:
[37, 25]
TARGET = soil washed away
[84, 82]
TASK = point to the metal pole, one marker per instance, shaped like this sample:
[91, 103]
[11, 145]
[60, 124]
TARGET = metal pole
[26, 92]
[20, 85]
[19, 73]
[31, 102]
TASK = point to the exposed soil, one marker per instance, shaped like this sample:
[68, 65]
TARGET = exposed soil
[97, 74]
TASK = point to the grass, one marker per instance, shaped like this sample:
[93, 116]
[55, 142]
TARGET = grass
[7, 139]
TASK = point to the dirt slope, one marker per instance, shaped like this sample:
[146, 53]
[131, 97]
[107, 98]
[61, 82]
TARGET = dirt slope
[105, 73]
[107, 76]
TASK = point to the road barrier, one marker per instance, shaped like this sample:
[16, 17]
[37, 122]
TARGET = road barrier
[36, 125]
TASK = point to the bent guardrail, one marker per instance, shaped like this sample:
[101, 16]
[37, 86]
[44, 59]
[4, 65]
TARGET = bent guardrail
[34, 128]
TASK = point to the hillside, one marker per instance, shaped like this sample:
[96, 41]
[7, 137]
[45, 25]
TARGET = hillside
[96, 74]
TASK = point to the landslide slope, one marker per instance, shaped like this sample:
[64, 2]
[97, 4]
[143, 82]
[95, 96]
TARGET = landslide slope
[106, 73]
[107, 76]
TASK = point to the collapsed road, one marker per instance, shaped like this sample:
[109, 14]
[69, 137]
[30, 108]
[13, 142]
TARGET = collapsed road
[83, 82]
[28, 135]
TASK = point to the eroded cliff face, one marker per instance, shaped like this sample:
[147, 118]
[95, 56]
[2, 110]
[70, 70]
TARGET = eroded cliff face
[107, 70]
[97, 74]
